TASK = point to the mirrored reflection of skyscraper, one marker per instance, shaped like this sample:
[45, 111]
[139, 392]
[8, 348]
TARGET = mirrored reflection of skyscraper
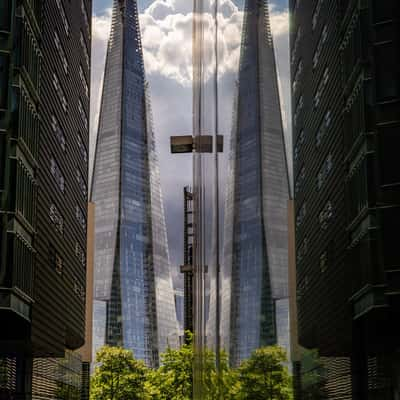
[133, 295]
[255, 308]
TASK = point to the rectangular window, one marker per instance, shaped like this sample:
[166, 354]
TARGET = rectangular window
[83, 81]
[60, 92]
[298, 110]
[321, 87]
[28, 125]
[321, 42]
[296, 45]
[58, 132]
[85, 17]
[297, 75]
[30, 53]
[326, 215]
[82, 149]
[83, 114]
[61, 52]
[56, 218]
[63, 16]
[80, 217]
[85, 49]
[81, 183]
[26, 193]
[57, 174]
[80, 254]
[323, 128]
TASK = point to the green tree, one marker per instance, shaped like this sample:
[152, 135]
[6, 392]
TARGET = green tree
[313, 377]
[118, 376]
[264, 376]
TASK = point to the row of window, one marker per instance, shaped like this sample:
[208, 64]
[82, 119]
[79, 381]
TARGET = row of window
[85, 17]
[57, 174]
[30, 53]
[83, 114]
[58, 220]
[324, 217]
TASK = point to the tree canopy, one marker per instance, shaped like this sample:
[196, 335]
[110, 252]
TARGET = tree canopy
[120, 376]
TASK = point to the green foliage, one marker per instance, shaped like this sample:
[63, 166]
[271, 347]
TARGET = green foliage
[118, 376]
[264, 376]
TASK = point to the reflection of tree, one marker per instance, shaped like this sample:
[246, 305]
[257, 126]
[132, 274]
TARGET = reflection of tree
[313, 378]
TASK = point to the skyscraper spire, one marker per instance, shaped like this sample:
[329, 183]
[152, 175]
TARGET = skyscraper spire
[255, 274]
[133, 296]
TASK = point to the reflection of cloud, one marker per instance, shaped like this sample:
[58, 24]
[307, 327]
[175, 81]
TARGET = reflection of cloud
[166, 27]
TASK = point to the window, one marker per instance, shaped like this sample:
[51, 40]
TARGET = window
[82, 148]
[323, 261]
[80, 254]
[81, 183]
[80, 217]
[297, 75]
[57, 174]
[323, 128]
[302, 251]
[301, 215]
[296, 45]
[85, 50]
[60, 92]
[321, 87]
[83, 81]
[299, 107]
[316, 13]
[61, 52]
[85, 16]
[58, 132]
[83, 114]
[325, 216]
[56, 218]
[29, 52]
[63, 16]
[324, 172]
[78, 289]
[299, 144]
[300, 179]
[322, 40]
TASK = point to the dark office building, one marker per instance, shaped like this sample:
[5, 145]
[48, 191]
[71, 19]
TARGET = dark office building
[133, 295]
[346, 118]
[255, 303]
[44, 108]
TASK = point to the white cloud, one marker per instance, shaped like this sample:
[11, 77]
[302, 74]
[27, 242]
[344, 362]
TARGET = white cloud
[166, 27]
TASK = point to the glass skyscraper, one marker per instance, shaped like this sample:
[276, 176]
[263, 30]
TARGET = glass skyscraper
[255, 306]
[133, 294]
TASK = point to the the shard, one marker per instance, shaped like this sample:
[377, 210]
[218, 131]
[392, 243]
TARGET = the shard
[255, 306]
[133, 294]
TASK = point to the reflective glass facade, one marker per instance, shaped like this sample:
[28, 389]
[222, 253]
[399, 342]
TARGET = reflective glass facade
[133, 296]
[255, 308]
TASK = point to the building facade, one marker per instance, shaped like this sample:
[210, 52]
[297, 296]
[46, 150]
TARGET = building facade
[255, 302]
[346, 107]
[133, 294]
[44, 137]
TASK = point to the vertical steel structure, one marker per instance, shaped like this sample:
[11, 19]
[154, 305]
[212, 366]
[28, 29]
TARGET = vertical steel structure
[133, 295]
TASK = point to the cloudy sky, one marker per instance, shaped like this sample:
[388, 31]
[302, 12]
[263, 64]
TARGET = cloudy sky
[167, 42]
